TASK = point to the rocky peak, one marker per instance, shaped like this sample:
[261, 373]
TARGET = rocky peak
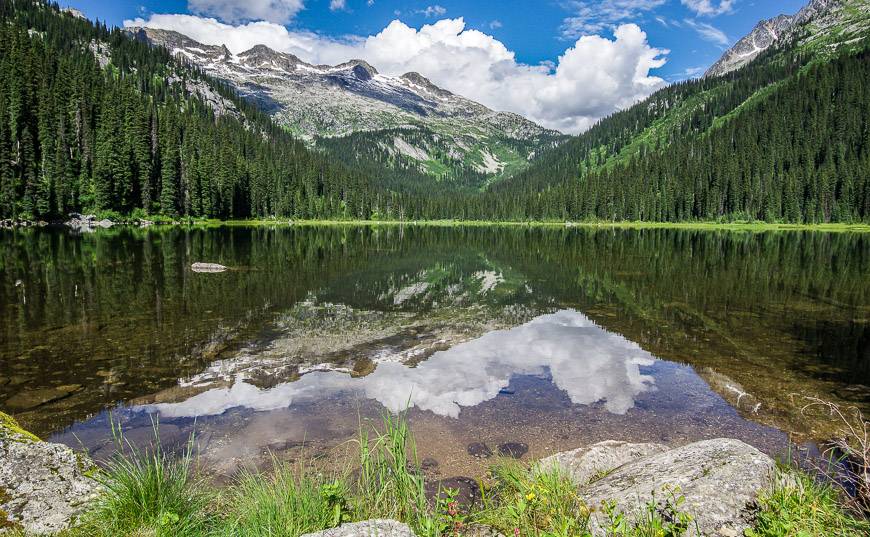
[817, 19]
[421, 81]
[360, 69]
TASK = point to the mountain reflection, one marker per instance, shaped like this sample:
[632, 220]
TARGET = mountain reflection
[590, 364]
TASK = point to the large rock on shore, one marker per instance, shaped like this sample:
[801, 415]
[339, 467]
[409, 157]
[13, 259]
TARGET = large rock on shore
[719, 479]
[43, 486]
[369, 528]
[589, 463]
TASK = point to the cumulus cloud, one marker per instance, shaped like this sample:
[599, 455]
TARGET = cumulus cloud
[337, 5]
[279, 11]
[588, 363]
[595, 16]
[434, 11]
[592, 78]
[709, 32]
[709, 8]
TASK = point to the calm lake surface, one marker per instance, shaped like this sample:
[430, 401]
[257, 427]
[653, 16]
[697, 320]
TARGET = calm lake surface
[545, 339]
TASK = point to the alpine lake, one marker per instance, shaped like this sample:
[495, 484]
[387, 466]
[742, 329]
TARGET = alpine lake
[520, 341]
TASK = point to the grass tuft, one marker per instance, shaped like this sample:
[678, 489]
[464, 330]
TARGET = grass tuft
[800, 506]
[149, 493]
[288, 502]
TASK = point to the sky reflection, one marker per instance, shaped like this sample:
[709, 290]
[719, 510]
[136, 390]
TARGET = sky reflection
[585, 361]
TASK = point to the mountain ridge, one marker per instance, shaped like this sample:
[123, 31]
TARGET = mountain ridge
[827, 15]
[317, 102]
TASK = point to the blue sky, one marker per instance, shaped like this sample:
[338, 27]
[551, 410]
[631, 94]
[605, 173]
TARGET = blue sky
[535, 30]
[563, 63]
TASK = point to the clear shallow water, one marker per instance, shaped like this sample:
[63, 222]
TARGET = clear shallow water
[551, 338]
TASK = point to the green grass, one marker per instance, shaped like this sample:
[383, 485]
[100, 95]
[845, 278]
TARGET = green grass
[799, 506]
[149, 493]
[287, 502]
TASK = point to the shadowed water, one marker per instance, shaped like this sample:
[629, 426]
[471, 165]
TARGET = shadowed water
[550, 338]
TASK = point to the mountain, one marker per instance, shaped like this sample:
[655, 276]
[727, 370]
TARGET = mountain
[413, 123]
[783, 138]
[826, 22]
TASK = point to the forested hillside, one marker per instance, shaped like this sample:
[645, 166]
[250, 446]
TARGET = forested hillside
[785, 139]
[91, 119]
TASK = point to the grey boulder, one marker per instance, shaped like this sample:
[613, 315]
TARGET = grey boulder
[369, 528]
[589, 463]
[719, 479]
[44, 485]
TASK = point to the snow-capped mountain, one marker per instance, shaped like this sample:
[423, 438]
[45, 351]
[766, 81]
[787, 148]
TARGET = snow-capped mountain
[322, 102]
[832, 22]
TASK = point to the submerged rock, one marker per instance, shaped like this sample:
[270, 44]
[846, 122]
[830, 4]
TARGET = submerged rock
[207, 267]
[369, 528]
[29, 399]
[468, 493]
[479, 450]
[719, 479]
[589, 463]
[514, 450]
[44, 485]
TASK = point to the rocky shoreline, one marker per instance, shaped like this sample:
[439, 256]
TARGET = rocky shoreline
[81, 223]
[45, 486]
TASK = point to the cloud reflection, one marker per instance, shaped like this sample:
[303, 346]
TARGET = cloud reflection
[587, 362]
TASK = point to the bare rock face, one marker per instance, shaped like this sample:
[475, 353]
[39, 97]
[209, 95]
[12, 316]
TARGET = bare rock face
[719, 479]
[43, 486]
[838, 20]
[369, 528]
[586, 464]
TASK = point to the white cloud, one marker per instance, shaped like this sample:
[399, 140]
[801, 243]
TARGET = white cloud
[709, 32]
[709, 8]
[279, 11]
[588, 363]
[495, 25]
[434, 11]
[595, 16]
[593, 78]
[337, 5]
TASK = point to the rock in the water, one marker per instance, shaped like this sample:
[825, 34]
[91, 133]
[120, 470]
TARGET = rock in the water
[369, 528]
[468, 493]
[44, 484]
[720, 480]
[28, 399]
[207, 267]
[514, 450]
[479, 450]
[589, 463]
[81, 223]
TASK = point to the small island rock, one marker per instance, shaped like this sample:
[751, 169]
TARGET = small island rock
[207, 267]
